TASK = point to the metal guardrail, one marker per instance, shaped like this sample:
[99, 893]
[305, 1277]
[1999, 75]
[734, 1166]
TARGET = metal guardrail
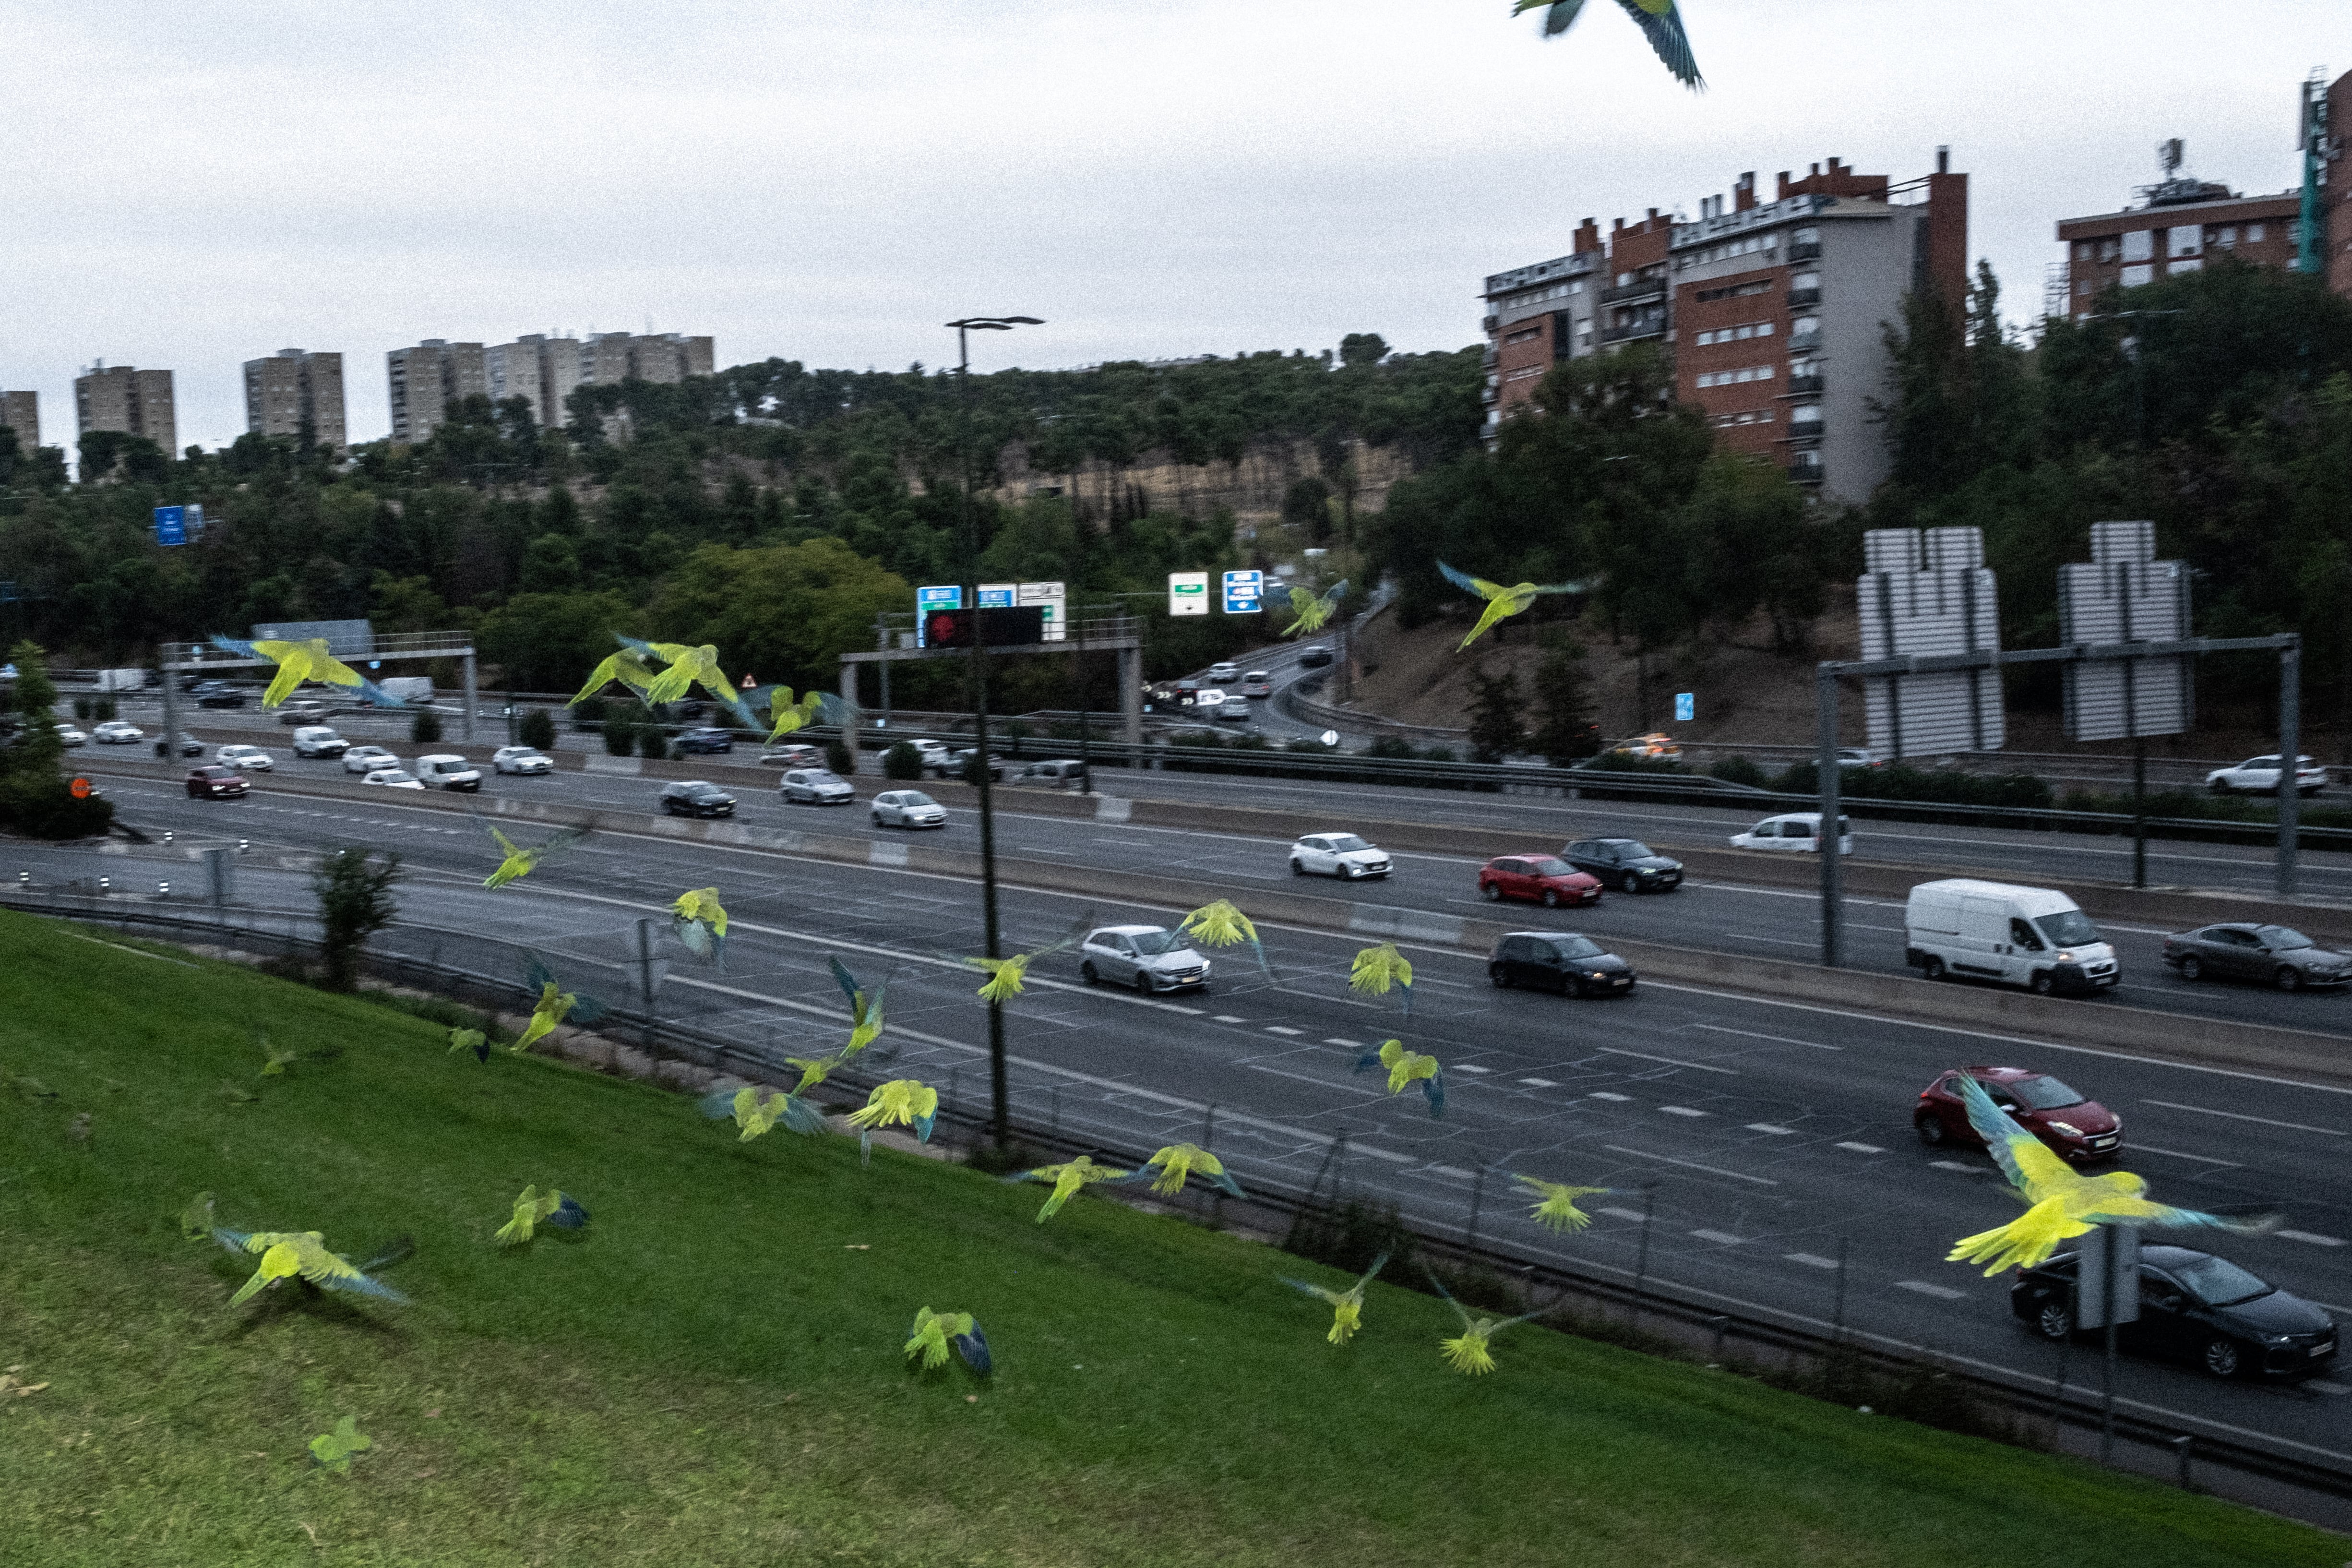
[1688, 1316]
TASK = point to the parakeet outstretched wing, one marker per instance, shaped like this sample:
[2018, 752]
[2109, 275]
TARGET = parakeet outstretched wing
[1463, 580]
[1660, 21]
[2032, 1167]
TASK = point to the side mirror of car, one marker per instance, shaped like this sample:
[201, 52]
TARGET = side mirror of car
[2168, 1303]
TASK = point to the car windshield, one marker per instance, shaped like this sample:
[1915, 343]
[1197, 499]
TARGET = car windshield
[1631, 849]
[1345, 842]
[1152, 943]
[2282, 939]
[2218, 1282]
[2068, 928]
[818, 776]
[2044, 1093]
[1575, 947]
[1255, 677]
[916, 797]
[1547, 866]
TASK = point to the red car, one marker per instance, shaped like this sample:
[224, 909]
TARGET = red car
[1546, 879]
[2075, 1128]
[215, 784]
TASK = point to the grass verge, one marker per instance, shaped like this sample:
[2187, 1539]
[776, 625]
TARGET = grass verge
[711, 1372]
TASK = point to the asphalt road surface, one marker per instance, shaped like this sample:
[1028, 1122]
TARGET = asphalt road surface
[1761, 1137]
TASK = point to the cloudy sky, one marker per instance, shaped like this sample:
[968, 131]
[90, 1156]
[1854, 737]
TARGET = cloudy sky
[193, 185]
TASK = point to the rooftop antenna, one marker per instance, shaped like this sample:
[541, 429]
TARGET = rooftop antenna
[2171, 153]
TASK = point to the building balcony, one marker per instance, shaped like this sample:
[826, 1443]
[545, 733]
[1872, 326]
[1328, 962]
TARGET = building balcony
[1802, 386]
[1489, 358]
[1490, 394]
[1804, 340]
[1805, 250]
[1641, 289]
[1646, 327]
[1488, 323]
[1799, 297]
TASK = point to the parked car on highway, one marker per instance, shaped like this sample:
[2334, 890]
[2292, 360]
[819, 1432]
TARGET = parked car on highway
[219, 694]
[187, 745]
[319, 741]
[2277, 955]
[2259, 775]
[520, 759]
[1626, 864]
[115, 732]
[697, 797]
[1798, 833]
[69, 736]
[1257, 683]
[1557, 961]
[1547, 880]
[1223, 672]
[2035, 937]
[907, 808]
[796, 755]
[1062, 773]
[368, 759]
[1337, 855]
[998, 768]
[816, 786]
[2193, 1307]
[305, 711]
[214, 781]
[246, 759]
[1314, 656]
[393, 778]
[448, 770]
[2074, 1128]
[1149, 958]
[703, 741]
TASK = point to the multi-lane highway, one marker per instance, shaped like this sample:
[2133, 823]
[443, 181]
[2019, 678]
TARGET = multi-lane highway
[1762, 1137]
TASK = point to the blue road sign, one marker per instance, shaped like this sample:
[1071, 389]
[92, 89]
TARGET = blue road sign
[1685, 707]
[171, 525]
[1244, 592]
[947, 597]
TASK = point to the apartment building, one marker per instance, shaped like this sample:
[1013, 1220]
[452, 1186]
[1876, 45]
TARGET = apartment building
[426, 379]
[299, 395]
[136, 402]
[21, 412]
[607, 359]
[541, 370]
[1773, 311]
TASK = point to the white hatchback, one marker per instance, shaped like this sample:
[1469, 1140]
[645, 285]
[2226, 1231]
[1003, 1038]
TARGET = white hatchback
[1337, 855]
[368, 760]
[520, 759]
[1799, 833]
[907, 808]
[244, 758]
[115, 732]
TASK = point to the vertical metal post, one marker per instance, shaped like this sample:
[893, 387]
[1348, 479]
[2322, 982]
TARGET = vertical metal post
[882, 645]
[645, 977]
[1642, 1258]
[1718, 1323]
[2139, 810]
[1825, 769]
[1130, 698]
[170, 710]
[473, 702]
[2182, 1447]
[1837, 1313]
[1478, 1200]
[1000, 1122]
[2107, 1312]
[1086, 714]
[850, 720]
[2290, 799]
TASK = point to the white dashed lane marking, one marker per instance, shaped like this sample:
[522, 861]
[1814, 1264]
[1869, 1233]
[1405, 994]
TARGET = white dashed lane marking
[1620, 1213]
[1769, 1127]
[1466, 1067]
[1538, 1083]
[1810, 1260]
[1724, 1237]
[1279, 1029]
[1604, 1094]
[1956, 1165]
[1941, 1292]
[1679, 1110]
[1863, 1148]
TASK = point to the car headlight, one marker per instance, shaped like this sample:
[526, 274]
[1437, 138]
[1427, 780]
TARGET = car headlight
[1596, 974]
[2068, 1128]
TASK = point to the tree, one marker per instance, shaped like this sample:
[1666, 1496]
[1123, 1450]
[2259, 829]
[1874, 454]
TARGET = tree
[354, 903]
[536, 729]
[786, 612]
[1362, 349]
[1307, 505]
[1498, 725]
[36, 750]
[902, 762]
[424, 729]
[1564, 732]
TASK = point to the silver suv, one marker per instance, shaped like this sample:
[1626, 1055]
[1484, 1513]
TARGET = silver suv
[1149, 958]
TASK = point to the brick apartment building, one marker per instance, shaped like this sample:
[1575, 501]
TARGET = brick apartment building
[1772, 311]
[541, 370]
[294, 393]
[2181, 224]
[136, 402]
[21, 412]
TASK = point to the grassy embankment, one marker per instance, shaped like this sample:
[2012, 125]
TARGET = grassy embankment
[711, 1374]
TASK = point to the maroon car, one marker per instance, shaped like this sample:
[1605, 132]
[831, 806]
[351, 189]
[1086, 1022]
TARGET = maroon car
[1546, 878]
[2075, 1128]
[215, 784]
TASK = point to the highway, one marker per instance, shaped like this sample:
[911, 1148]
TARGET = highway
[1763, 1137]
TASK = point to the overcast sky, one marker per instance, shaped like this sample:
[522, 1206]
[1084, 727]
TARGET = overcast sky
[190, 184]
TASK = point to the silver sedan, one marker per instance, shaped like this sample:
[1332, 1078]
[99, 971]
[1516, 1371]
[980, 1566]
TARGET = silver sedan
[1149, 958]
[907, 808]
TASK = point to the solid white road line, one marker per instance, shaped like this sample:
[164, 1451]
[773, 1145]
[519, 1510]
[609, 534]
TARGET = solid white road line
[1724, 1237]
[1776, 1039]
[1811, 1260]
[1670, 1061]
[2239, 1116]
[1863, 1148]
[2178, 1154]
[1692, 1165]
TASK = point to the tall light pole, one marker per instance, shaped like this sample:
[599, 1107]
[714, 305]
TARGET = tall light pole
[999, 1098]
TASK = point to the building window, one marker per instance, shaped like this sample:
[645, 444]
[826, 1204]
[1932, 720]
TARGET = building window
[2254, 232]
[2134, 277]
[2139, 244]
[2083, 285]
[2186, 239]
[1804, 414]
[1577, 287]
[2109, 248]
[1803, 327]
[2229, 234]
[1805, 280]
[2083, 250]
[2185, 264]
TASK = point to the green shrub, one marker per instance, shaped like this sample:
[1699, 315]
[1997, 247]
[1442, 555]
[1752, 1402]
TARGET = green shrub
[424, 730]
[902, 762]
[620, 737]
[972, 773]
[1739, 770]
[1440, 754]
[1395, 747]
[591, 712]
[43, 806]
[840, 758]
[81, 707]
[652, 744]
[354, 903]
[536, 730]
[102, 710]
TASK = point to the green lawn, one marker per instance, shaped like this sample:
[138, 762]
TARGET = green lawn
[711, 1374]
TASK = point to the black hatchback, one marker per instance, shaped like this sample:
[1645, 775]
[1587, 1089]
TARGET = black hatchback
[697, 798]
[691, 742]
[1557, 961]
[2193, 1307]
[1626, 863]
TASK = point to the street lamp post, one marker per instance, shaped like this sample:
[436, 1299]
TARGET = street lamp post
[999, 1098]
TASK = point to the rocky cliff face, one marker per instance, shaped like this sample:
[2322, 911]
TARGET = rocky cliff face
[1252, 488]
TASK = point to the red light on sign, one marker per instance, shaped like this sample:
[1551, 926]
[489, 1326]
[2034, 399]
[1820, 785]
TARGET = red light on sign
[79, 788]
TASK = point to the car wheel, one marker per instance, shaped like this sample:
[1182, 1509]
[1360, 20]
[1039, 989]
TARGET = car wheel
[877, 819]
[2220, 786]
[1144, 981]
[2042, 983]
[2221, 1357]
[2190, 969]
[2054, 1321]
[1933, 969]
[1930, 1128]
[1493, 891]
[1296, 869]
[2288, 978]
[1086, 972]
[1632, 883]
[1550, 899]
[1500, 975]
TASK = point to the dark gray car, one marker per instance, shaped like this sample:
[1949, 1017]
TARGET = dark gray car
[2275, 956]
[1557, 961]
[1626, 864]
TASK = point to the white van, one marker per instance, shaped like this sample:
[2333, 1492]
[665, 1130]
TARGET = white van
[448, 771]
[319, 741]
[2020, 936]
